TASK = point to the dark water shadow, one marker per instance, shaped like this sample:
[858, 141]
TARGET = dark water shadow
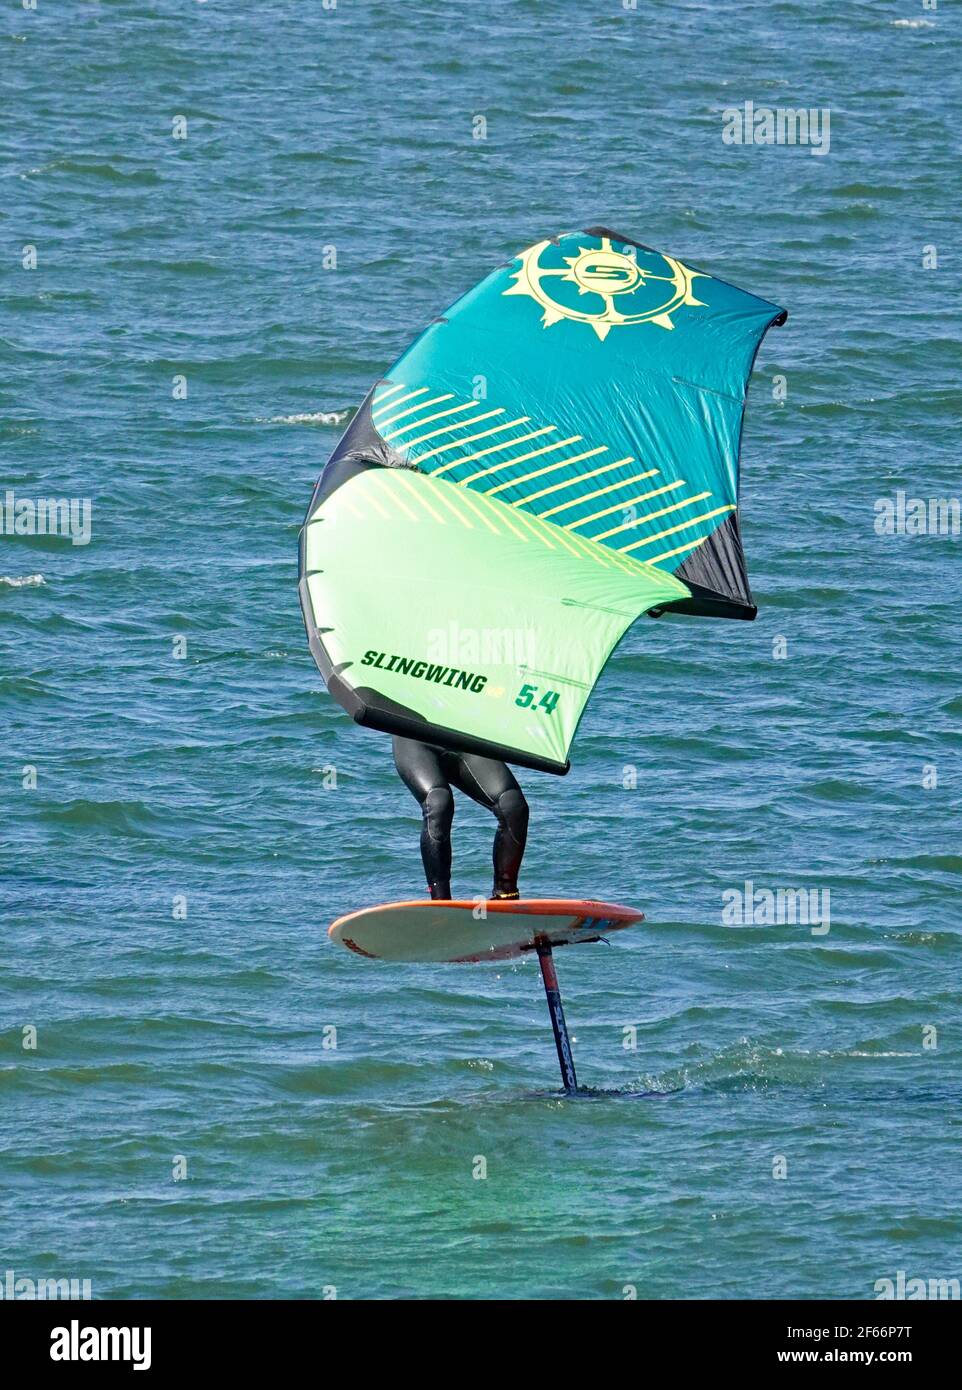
[602, 1093]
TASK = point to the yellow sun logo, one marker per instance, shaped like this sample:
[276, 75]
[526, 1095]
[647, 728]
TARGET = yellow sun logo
[610, 275]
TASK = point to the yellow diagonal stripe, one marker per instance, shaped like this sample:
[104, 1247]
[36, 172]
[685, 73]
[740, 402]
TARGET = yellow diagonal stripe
[419, 494]
[640, 520]
[583, 477]
[444, 494]
[494, 449]
[526, 520]
[480, 512]
[520, 458]
[598, 491]
[623, 505]
[392, 405]
[445, 429]
[667, 554]
[377, 505]
[422, 419]
[388, 391]
[705, 516]
[593, 552]
[551, 468]
[391, 497]
[471, 438]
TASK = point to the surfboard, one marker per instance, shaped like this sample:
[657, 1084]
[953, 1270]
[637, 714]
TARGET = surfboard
[464, 932]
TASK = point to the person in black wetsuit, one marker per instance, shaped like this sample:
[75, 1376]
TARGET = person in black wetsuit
[429, 773]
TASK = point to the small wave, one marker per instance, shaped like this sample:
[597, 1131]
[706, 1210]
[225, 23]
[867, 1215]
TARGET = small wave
[836, 789]
[102, 169]
[922, 938]
[22, 581]
[21, 687]
[865, 1052]
[742, 1065]
[316, 417]
[913, 23]
[866, 190]
[189, 267]
[948, 863]
[123, 817]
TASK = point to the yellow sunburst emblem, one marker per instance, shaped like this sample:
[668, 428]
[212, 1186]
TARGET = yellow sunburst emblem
[609, 274]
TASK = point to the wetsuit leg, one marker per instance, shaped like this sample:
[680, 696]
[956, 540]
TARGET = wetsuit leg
[419, 767]
[492, 784]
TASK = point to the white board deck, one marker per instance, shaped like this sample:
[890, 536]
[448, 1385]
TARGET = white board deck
[460, 932]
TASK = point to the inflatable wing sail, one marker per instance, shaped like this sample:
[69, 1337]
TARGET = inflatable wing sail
[552, 458]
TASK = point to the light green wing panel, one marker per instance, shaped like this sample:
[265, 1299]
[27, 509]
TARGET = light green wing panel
[460, 619]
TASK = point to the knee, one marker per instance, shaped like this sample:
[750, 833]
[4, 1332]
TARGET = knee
[438, 812]
[511, 810]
